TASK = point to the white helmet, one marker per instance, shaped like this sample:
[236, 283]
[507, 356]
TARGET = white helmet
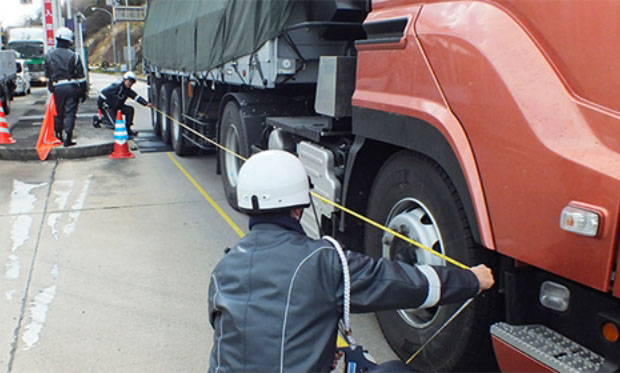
[131, 76]
[64, 33]
[272, 180]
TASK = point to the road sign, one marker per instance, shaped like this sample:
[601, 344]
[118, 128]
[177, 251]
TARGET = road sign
[48, 20]
[129, 13]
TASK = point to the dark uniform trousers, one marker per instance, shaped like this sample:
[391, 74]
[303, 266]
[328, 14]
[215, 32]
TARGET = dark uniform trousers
[66, 96]
[126, 110]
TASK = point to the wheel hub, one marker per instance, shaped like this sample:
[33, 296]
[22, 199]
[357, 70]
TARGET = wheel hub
[413, 219]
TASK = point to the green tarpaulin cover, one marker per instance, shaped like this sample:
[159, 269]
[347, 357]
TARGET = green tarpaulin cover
[198, 35]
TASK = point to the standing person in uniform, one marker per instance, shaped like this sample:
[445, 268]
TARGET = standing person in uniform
[276, 297]
[114, 97]
[66, 79]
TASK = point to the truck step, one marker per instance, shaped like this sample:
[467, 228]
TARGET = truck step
[548, 347]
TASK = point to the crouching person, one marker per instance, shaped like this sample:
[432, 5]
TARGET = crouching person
[113, 97]
[276, 297]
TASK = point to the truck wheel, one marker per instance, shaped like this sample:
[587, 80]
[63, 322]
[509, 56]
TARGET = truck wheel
[414, 196]
[179, 143]
[154, 99]
[164, 105]
[232, 137]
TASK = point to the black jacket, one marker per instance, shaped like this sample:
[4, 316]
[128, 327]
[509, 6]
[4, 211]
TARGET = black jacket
[275, 299]
[62, 65]
[116, 94]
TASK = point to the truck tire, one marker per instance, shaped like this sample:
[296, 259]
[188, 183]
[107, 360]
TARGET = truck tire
[164, 105]
[232, 137]
[179, 143]
[413, 195]
[154, 99]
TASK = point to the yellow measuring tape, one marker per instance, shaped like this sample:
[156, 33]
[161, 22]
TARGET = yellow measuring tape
[341, 341]
[327, 201]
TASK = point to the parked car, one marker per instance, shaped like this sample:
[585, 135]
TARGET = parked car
[22, 82]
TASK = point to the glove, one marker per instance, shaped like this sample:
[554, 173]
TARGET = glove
[83, 92]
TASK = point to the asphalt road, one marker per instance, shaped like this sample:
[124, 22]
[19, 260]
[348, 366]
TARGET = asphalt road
[107, 261]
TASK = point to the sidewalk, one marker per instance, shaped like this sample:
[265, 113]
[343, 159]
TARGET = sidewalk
[90, 141]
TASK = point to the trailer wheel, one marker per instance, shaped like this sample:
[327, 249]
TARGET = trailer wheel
[164, 105]
[232, 137]
[413, 195]
[179, 143]
[154, 99]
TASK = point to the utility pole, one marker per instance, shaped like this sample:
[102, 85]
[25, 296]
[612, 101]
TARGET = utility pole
[79, 43]
[69, 12]
[59, 20]
[128, 42]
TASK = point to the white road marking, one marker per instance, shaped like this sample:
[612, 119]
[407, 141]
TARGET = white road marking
[38, 314]
[21, 204]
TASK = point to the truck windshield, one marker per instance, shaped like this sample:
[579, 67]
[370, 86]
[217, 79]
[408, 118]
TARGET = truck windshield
[27, 49]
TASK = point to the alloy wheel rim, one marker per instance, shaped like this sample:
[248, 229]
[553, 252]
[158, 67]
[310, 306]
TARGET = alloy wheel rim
[413, 219]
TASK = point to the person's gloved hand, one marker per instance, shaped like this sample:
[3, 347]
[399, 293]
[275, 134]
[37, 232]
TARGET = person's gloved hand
[83, 92]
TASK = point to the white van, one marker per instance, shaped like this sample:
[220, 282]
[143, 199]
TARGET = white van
[22, 82]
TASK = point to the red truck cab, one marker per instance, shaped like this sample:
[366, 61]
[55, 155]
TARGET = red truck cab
[516, 99]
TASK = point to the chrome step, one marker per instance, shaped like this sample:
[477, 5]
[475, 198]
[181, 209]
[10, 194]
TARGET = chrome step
[549, 347]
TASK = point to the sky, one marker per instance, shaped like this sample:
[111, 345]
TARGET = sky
[13, 13]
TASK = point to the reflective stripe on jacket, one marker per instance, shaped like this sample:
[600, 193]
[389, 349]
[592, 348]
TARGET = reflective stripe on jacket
[275, 299]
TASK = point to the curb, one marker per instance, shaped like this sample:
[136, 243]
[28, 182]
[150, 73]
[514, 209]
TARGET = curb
[59, 152]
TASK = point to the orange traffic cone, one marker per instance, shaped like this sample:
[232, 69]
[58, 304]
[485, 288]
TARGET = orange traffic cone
[47, 140]
[5, 135]
[121, 149]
